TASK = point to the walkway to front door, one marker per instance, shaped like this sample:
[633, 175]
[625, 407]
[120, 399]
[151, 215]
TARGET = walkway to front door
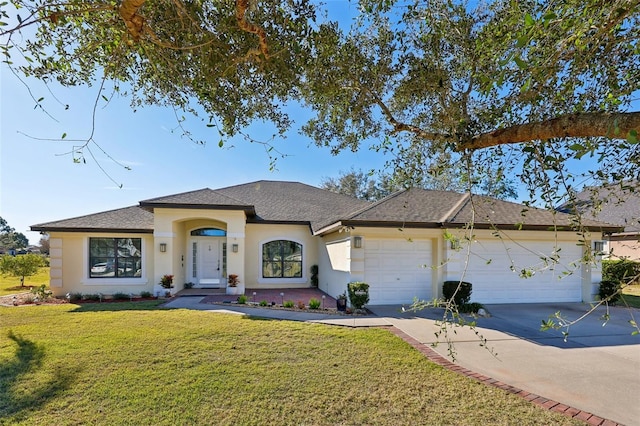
[270, 296]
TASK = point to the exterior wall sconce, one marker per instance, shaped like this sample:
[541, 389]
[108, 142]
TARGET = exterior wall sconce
[234, 248]
[357, 242]
[163, 247]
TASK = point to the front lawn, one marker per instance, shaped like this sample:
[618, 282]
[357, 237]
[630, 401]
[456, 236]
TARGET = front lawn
[11, 285]
[631, 296]
[132, 363]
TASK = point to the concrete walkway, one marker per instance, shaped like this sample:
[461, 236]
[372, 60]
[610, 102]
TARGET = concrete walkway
[594, 376]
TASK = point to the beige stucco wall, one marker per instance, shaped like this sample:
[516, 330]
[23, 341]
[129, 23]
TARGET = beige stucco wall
[258, 234]
[70, 266]
[624, 247]
[343, 263]
[335, 262]
[172, 227]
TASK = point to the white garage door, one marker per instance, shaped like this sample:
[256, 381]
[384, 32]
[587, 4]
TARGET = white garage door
[397, 270]
[493, 280]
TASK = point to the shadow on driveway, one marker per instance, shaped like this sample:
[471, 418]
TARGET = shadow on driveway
[524, 321]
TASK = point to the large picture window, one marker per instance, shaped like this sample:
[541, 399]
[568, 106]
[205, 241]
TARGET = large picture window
[115, 257]
[282, 259]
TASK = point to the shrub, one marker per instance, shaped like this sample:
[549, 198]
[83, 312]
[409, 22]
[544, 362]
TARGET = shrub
[609, 289]
[461, 296]
[242, 299]
[358, 294]
[188, 285]
[264, 303]
[120, 296]
[41, 293]
[620, 270]
[146, 294]
[74, 297]
[314, 303]
[471, 308]
[301, 304]
[92, 297]
[288, 304]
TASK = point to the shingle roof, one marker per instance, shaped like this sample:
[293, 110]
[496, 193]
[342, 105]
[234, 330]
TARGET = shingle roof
[201, 198]
[427, 208]
[411, 206]
[293, 202]
[490, 211]
[608, 204]
[127, 220]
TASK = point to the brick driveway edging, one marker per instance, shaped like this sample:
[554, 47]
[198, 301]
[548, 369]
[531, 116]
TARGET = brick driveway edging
[435, 357]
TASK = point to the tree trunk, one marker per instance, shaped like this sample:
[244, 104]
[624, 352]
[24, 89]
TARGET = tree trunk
[129, 14]
[620, 125]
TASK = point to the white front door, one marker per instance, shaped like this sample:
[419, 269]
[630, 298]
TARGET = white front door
[206, 262]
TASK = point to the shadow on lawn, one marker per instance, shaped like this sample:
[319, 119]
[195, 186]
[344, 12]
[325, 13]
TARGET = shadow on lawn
[14, 401]
[146, 305]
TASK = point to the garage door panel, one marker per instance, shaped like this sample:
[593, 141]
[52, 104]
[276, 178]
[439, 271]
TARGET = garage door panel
[395, 270]
[497, 283]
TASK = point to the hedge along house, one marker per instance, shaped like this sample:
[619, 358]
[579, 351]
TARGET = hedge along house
[271, 233]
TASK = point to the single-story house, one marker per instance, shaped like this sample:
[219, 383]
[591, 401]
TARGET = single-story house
[614, 205]
[272, 234]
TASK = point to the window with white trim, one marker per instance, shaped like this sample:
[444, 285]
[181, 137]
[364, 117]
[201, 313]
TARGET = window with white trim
[282, 259]
[115, 257]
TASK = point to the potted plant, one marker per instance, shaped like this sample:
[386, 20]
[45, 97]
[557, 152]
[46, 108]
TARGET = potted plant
[166, 282]
[233, 285]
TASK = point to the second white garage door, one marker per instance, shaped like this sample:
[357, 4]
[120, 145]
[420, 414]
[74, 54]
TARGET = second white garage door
[489, 272]
[397, 270]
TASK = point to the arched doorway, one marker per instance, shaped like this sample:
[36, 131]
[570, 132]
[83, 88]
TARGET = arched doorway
[207, 258]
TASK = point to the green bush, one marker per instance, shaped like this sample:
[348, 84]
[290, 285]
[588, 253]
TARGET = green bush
[242, 299]
[471, 308]
[146, 294]
[288, 304]
[462, 296]
[314, 303]
[609, 289]
[120, 296]
[92, 297]
[74, 297]
[358, 294]
[620, 270]
[264, 303]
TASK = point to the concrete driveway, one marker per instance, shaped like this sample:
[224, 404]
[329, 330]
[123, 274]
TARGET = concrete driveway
[596, 370]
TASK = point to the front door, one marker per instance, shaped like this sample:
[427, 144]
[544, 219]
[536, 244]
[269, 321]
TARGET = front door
[207, 262]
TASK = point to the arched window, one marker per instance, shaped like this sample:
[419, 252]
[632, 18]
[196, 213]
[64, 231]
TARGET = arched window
[208, 232]
[282, 259]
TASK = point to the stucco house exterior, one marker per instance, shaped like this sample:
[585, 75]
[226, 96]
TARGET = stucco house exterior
[271, 233]
[613, 205]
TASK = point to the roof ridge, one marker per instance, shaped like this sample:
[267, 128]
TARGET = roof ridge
[453, 211]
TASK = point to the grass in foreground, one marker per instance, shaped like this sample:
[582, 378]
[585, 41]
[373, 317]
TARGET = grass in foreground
[631, 296]
[11, 285]
[91, 365]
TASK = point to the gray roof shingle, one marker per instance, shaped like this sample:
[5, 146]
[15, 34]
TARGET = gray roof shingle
[609, 204]
[292, 202]
[127, 220]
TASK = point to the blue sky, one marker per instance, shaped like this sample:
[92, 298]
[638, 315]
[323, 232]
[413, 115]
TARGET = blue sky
[39, 183]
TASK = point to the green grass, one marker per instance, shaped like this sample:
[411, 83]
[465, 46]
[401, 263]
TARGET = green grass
[11, 285]
[631, 296]
[132, 363]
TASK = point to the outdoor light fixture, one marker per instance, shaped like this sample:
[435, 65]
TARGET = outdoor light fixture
[234, 248]
[163, 247]
[357, 242]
